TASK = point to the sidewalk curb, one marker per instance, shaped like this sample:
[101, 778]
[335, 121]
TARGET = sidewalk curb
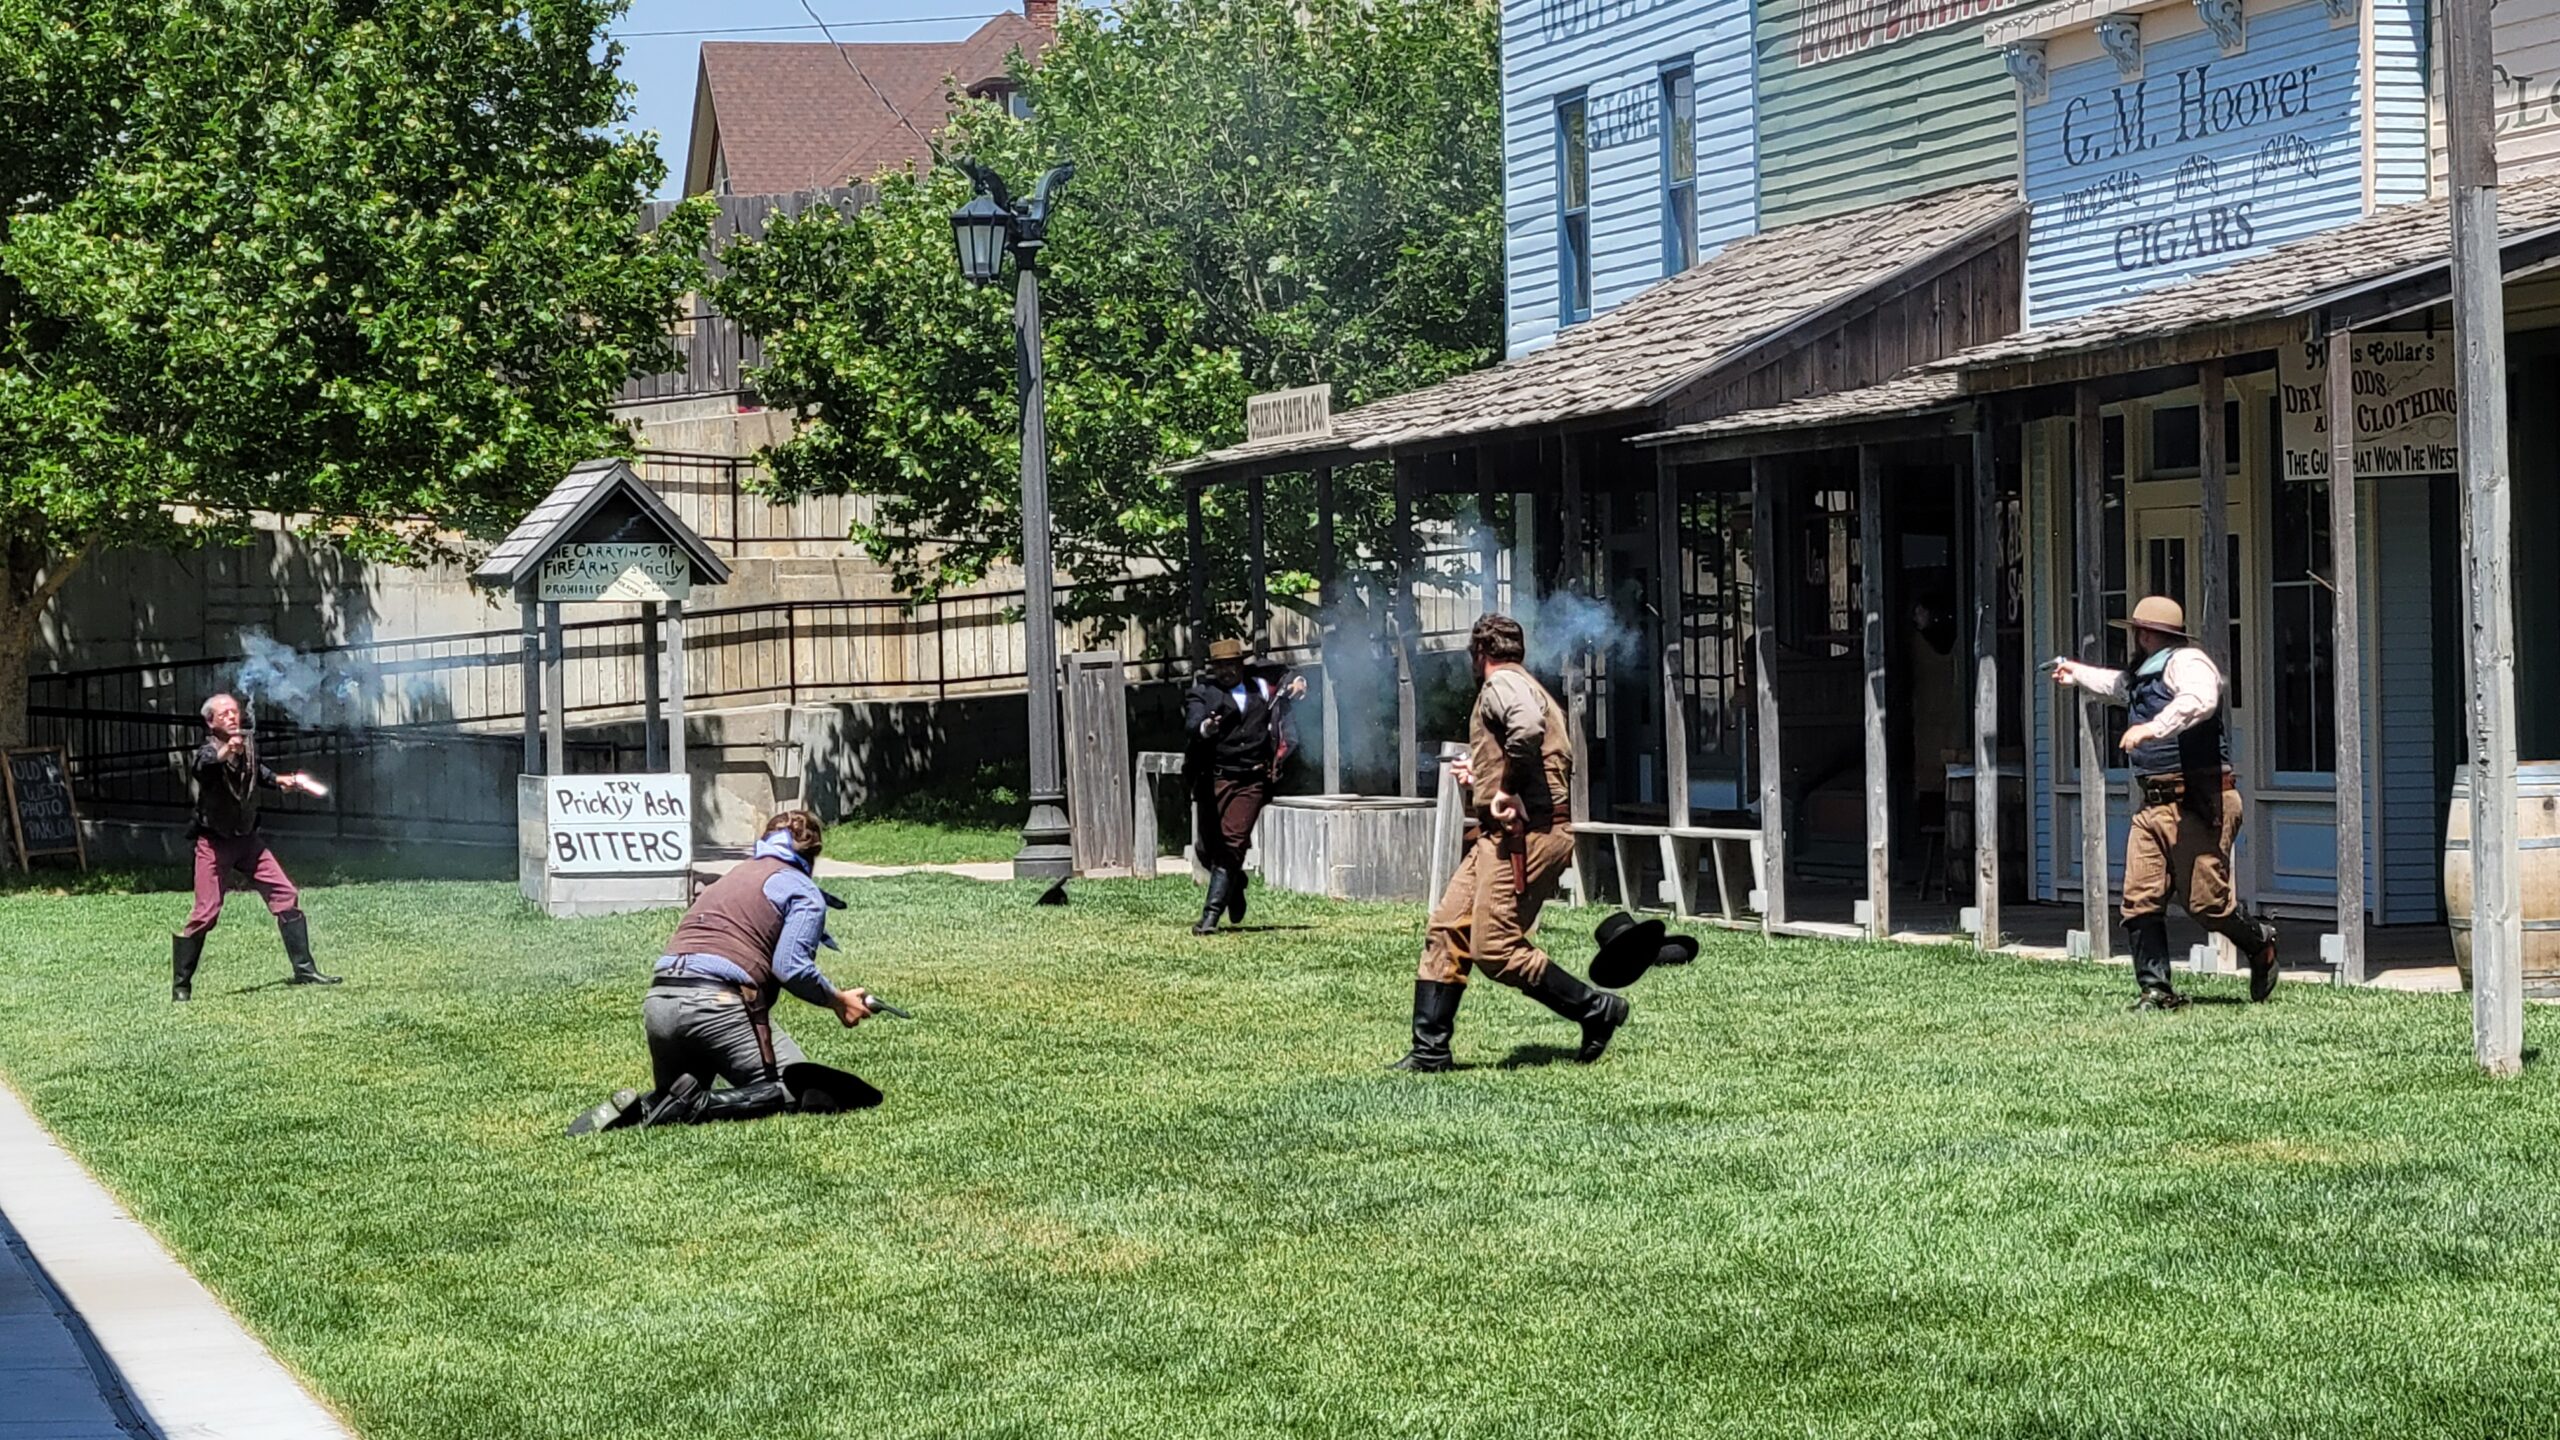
[186, 1365]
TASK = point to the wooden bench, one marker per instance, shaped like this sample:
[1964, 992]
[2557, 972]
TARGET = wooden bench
[1681, 847]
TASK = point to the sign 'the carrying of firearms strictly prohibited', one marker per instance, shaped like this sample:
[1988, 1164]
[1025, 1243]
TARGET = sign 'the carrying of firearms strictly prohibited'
[618, 571]
[618, 824]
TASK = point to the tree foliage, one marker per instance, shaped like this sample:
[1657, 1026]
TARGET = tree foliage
[369, 262]
[1266, 195]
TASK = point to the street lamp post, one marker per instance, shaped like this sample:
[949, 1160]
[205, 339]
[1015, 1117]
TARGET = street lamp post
[984, 230]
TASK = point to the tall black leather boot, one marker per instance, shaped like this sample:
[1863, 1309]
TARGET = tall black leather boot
[1435, 1019]
[185, 951]
[2254, 936]
[296, 929]
[1235, 893]
[1216, 902]
[746, 1102]
[1598, 1012]
[2149, 937]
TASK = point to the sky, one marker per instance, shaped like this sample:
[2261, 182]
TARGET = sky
[661, 66]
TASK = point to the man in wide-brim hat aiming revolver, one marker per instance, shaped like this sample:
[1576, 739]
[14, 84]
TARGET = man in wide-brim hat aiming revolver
[2189, 810]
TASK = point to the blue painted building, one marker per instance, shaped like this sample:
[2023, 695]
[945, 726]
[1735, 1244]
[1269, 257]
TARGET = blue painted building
[1628, 150]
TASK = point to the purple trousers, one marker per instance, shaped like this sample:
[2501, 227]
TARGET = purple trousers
[238, 862]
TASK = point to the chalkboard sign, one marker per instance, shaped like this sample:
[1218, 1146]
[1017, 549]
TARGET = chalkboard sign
[43, 818]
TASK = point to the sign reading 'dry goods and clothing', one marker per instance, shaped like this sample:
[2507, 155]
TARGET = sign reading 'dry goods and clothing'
[2403, 383]
[2200, 159]
[617, 571]
[618, 824]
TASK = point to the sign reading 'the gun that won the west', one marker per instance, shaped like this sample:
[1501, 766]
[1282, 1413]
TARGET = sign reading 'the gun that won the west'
[2405, 421]
[617, 571]
[618, 824]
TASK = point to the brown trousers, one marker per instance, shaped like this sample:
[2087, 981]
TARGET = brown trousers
[1483, 922]
[2171, 852]
[1223, 817]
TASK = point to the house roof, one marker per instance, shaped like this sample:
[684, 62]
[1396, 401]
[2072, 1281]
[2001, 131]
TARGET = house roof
[1638, 355]
[2402, 243]
[580, 494]
[1913, 392]
[798, 116]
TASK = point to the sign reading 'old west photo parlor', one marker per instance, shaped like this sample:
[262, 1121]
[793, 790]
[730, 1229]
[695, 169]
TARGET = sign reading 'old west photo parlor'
[2167, 156]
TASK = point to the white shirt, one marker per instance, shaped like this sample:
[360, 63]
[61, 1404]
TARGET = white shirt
[2195, 688]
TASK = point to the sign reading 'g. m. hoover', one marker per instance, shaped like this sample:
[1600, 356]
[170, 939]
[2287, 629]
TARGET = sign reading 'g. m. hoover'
[2200, 159]
[2405, 421]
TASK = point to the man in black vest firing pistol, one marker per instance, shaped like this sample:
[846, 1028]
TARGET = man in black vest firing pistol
[2189, 810]
[1235, 720]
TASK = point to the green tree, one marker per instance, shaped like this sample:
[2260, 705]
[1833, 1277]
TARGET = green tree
[372, 264]
[1266, 195]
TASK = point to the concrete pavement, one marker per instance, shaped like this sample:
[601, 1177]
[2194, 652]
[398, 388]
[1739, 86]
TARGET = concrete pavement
[104, 1335]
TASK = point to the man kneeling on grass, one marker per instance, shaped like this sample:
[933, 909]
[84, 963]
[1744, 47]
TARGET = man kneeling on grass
[753, 933]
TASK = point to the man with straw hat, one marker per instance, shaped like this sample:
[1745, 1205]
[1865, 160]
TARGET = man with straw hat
[1518, 769]
[2189, 810]
[1235, 721]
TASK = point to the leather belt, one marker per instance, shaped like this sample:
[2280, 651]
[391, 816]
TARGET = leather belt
[697, 982]
[2170, 789]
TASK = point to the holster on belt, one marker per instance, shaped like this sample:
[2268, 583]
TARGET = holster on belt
[2199, 793]
[760, 1019]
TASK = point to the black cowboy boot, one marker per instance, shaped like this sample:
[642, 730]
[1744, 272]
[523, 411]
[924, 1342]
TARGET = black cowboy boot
[296, 929]
[1435, 1019]
[1598, 1012]
[1216, 902]
[2150, 939]
[669, 1106]
[746, 1102]
[185, 951]
[2262, 957]
[1235, 894]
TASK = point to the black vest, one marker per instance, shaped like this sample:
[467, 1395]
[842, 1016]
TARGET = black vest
[2202, 749]
[1244, 743]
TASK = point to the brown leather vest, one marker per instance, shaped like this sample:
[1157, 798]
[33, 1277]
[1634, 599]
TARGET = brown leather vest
[733, 920]
[1542, 789]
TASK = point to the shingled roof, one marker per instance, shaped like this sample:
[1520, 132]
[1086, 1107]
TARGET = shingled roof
[1638, 355]
[581, 493]
[797, 116]
[2399, 245]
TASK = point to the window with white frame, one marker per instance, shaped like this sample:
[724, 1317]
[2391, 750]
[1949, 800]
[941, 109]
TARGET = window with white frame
[1573, 219]
[1679, 170]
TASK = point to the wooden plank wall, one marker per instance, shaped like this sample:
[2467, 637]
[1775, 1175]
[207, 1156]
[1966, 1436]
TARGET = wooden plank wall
[716, 352]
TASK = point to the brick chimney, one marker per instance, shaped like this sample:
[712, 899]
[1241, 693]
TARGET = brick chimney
[1043, 13]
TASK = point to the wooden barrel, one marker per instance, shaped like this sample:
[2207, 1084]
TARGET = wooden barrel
[2537, 873]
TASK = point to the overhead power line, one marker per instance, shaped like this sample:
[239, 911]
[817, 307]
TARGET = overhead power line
[821, 26]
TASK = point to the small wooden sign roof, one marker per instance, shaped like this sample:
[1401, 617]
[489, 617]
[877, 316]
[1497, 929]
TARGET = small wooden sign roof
[598, 502]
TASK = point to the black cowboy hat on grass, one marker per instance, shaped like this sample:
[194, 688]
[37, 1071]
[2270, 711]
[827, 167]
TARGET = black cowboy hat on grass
[1629, 947]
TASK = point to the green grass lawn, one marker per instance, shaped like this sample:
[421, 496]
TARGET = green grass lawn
[980, 819]
[1132, 1183]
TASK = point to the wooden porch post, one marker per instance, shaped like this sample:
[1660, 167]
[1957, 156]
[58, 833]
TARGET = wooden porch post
[1259, 569]
[1765, 566]
[1879, 759]
[1195, 544]
[675, 687]
[1666, 603]
[653, 741]
[532, 663]
[1488, 544]
[2091, 527]
[2346, 664]
[1573, 573]
[2212, 626]
[555, 686]
[1329, 590]
[1408, 716]
[1986, 685]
